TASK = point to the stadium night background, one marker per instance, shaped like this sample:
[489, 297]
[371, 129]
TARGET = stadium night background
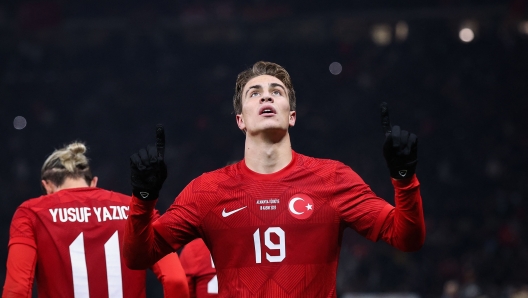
[453, 72]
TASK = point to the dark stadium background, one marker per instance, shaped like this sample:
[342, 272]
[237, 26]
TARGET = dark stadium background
[106, 72]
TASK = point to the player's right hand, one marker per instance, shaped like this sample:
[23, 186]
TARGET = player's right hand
[400, 147]
[148, 170]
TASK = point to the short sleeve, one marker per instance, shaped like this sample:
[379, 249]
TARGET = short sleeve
[21, 230]
[357, 205]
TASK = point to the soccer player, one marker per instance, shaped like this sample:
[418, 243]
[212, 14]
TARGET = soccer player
[71, 239]
[273, 221]
[199, 268]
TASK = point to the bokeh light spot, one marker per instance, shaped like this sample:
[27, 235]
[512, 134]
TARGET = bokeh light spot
[335, 68]
[19, 122]
[466, 35]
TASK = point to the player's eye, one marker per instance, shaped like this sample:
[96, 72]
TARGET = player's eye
[276, 92]
[253, 94]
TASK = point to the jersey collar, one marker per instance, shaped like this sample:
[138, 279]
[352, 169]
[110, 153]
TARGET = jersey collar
[273, 176]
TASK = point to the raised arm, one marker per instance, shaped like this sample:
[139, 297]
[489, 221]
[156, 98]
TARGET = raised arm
[404, 226]
[142, 246]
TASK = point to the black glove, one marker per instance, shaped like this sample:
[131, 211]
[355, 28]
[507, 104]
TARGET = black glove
[400, 147]
[148, 170]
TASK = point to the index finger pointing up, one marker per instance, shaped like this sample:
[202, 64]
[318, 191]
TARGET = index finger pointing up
[160, 140]
[385, 121]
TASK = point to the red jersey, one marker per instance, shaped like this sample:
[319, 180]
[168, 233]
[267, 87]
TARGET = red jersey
[77, 234]
[198, 264]
[277, 235]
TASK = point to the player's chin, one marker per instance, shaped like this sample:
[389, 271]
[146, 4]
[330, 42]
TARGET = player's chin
[275, 129]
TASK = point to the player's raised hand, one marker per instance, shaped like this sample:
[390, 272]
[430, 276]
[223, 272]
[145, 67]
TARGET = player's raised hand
[148, 169]
[400, 147]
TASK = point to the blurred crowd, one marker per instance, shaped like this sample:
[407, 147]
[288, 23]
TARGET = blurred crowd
[106, 74]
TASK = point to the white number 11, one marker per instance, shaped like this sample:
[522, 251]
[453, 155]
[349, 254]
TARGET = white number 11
[281, 246]
[113, 267]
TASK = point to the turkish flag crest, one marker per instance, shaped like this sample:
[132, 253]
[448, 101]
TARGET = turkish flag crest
[301, 206]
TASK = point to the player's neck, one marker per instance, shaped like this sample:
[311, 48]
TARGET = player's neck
[266, 157]
[72, 183]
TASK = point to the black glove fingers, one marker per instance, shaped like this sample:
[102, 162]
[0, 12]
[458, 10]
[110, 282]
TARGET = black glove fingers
[405, 149]
[135, 161]
[143, 155]
[395, 136]
[152, 152]
[413, 141]
[148, 170]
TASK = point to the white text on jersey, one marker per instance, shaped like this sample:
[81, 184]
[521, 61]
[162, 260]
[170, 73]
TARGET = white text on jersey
[82, 214]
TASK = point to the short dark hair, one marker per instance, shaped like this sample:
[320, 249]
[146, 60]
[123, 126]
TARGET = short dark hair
[258, 69]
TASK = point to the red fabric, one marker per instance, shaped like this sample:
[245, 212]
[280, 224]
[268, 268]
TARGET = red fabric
[404, 227]
[71, 229]
[264, 249]
[199, 268]
[21, 263]
[169, 272]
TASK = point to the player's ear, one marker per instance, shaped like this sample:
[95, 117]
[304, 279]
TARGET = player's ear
[240, 122]
[93, 183]
[49, 187]
[293, 118]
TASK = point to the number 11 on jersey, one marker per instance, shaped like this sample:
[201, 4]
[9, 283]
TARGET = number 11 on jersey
[280, 246]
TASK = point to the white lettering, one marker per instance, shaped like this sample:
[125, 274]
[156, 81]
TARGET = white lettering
[97, 211]
[119, 212]
[62, 215]
[106, 214]
[54, 214]
[71, 215]
[80, 214]
[114, 213]
[124, 210]
[86, 213]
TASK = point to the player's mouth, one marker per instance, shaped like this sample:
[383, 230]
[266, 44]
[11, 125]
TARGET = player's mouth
[267, 110]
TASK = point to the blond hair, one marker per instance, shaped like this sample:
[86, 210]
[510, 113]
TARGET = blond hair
[258, 69]
[67, 162]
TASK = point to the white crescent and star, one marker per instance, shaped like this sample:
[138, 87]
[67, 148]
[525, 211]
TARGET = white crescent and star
[292, 208]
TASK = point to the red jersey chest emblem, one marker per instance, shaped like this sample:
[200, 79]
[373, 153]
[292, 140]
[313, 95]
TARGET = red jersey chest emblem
[301, 206]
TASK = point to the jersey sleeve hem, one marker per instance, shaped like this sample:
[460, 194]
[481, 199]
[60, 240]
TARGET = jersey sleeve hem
[22, 240]
[405, 184]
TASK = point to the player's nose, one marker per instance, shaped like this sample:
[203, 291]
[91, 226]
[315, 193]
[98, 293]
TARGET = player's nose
[266, 98]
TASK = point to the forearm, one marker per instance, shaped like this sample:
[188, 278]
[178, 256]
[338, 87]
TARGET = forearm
[21, 263]
[142, 247]
[404, 227]
[170, 273]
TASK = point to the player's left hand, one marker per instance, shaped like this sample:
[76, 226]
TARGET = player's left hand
[148, 169]
[400, 148]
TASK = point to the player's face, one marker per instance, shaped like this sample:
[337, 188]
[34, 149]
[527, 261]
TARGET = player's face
[265, 106]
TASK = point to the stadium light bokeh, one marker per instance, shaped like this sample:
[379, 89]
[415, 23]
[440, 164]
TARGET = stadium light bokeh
[19, 122]
[381, 34]
[466, 35]
[523, 27]
[335, 68]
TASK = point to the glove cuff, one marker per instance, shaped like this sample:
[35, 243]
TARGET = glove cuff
[403, 172]
[145, 195]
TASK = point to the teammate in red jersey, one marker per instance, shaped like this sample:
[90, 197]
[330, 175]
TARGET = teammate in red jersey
[199, 268]
[273, 221]
[71, 239]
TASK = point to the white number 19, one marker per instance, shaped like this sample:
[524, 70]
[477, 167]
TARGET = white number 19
[281, 246]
